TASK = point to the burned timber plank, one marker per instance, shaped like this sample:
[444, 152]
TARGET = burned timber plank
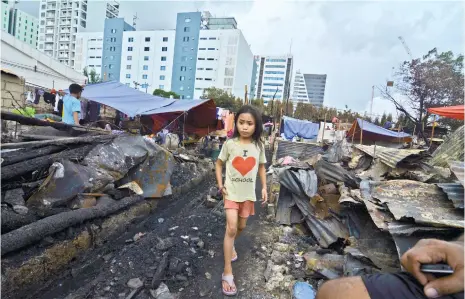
[62, 141]
[25, 167]
[36, 231]
[23, 155]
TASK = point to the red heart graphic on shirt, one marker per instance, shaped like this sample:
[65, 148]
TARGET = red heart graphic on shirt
[242, 165]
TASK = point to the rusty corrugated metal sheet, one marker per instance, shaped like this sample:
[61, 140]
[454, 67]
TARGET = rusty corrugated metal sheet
[454, 192]
[451, 150]
[334, 173]
[425, 203]
[297, 150]
[458, 169]
[392, 157]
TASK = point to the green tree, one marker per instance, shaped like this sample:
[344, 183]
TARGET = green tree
[92, 76]
[389, 117]
[222, 98]
[383, 119]
[165, 94]
[434, 80]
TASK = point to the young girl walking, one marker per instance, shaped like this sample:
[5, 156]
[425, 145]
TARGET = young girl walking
[244, 156]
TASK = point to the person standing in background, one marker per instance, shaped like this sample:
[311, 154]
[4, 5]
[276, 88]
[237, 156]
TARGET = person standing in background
[72, 105]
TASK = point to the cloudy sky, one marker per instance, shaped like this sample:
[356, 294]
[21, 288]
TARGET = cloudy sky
[355, 43]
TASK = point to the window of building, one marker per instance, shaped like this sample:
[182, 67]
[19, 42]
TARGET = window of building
[182, 78]
[209, 69]
[187, 20]
[274, 73]
[113, 31]
[163, 58]
[211, 49]
[144, 76]
[272, 84]
[128, 76]
[131, 39]
[129, 58]
[113, 39]
[162, 68]
[110, 66]
[185, 49]
[162, 77]
[183, 68]
[275, 66]
[212, 38]
[164, 49]
[274, 78]
[165, 39]
[200, 68]
[208, 79]
[161, 86]
[203, 38]
[181, 88]
[146, 49]
[112, 57]
[185, 39]
[145, 85]
[200, 58]
[229, 71]
[130, 49]
[275, 60]
[228, 81]
[199, 79]
[202, 49]
[187, 29]
[145, 67]
[146, 58]
[128, 67]
[147, 39]
[210, 59]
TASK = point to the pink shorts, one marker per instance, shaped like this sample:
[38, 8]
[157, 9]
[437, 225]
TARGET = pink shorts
[246, 208]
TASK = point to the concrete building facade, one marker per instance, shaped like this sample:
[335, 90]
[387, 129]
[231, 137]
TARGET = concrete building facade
[274, 77]
[89, 49]
[60, 22]
[23, 26]
[309, 88]
[112, 51]
[147, 59]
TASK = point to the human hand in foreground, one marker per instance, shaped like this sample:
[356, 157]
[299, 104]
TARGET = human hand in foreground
[264, 196]
[432, 251]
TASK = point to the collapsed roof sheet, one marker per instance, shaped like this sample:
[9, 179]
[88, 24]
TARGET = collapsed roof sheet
[424, 203]
[334, 173]
[451, 150]
[297, 150]
[454, 192]
[458, 169]
[392, 157]
[374, 133]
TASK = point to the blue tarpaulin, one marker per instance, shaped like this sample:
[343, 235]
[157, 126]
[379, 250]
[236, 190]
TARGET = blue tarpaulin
[178, 106]
[128, 100]
[374, 132]
[300, 128]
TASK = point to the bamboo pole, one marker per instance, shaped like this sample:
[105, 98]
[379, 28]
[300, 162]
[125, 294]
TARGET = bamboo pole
[324, 126]
[361, 133]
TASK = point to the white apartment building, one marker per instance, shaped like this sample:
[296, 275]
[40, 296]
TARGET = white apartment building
[309, 88]
[60, 21]
[224, 60]
[89, 47]
[273, 77]
[147, 59]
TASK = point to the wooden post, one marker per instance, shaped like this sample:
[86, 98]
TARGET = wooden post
[246, 101]
[361, 133]
[324, 127]
[355, 129]
[432, 131]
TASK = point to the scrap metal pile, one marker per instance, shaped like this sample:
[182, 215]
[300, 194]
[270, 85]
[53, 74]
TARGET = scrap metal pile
[50, 185]
[367, 205]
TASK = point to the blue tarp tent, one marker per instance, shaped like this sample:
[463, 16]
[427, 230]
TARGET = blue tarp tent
[178, 106]
[373, 132]
[124, 98]
[301, 128]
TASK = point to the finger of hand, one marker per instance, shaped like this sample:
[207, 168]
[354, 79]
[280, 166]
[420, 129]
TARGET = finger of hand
[429, 254]
[445, 285]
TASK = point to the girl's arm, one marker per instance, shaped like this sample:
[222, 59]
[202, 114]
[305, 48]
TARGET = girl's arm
[219, 173]
[262, 174]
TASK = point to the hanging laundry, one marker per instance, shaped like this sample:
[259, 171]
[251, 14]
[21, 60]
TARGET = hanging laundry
[36, 96]
[57, 99]
[29, 97]
[93, 111]
[84, 112]
[49, 98]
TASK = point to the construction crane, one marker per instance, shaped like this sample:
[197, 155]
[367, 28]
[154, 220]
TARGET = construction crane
[405, 46]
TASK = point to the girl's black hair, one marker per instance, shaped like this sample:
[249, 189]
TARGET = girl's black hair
[257, 135]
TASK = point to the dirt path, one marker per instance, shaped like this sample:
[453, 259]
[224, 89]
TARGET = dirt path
[195, 259]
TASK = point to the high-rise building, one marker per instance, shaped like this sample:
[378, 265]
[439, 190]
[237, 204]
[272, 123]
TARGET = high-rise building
[60, 22]
[21, 25]
[89, 49]
[209, 52]
[309, 88]
[147, 59]
[112, 52]
[274, 77]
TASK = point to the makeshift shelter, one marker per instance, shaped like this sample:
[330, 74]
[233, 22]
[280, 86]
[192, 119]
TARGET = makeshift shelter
[301, 128]
[366, 131]
[193, 116]
[456, 112]
[128, 100]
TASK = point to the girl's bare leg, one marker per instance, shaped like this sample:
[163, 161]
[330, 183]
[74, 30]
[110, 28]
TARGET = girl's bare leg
[230, 234]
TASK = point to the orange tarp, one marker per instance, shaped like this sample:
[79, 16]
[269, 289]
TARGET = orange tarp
[450, 112]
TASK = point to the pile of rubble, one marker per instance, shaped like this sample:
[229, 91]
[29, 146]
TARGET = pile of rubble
[362, 206]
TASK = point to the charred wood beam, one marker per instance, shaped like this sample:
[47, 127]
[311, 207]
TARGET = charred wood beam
[23, 155]
[11, 220]
[22, 168]
[36, 231]
[63, 141]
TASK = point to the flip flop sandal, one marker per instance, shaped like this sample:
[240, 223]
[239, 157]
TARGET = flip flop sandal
[235, 258]
[230, 280]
